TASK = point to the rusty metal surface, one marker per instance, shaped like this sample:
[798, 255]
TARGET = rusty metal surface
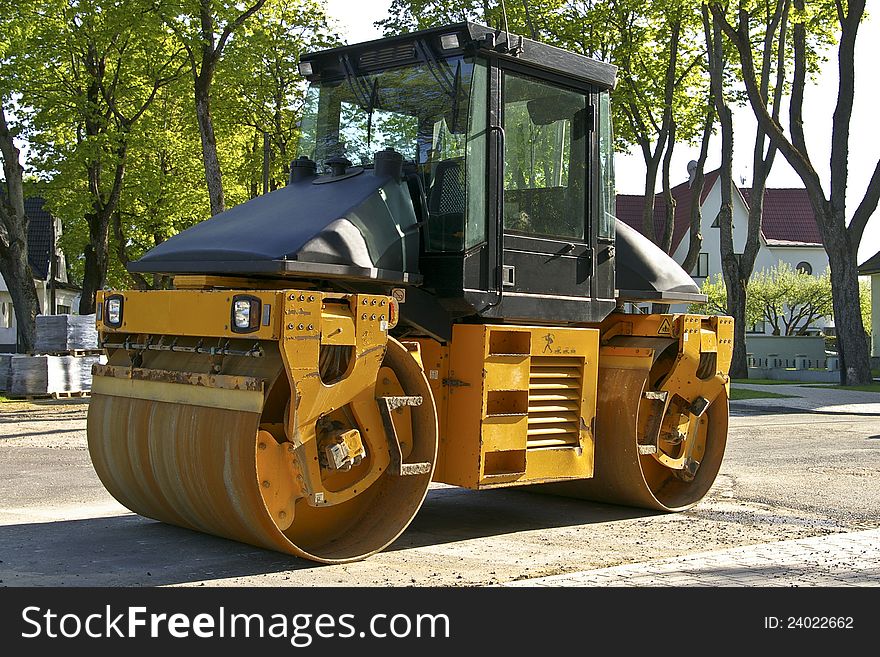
[224, 381]
[215, 470]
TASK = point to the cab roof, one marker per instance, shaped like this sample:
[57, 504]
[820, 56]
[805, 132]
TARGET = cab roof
[458, 39]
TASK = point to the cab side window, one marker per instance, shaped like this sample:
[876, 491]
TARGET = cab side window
[545, 148]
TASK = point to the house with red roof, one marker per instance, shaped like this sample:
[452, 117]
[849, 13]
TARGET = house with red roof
[789, 232]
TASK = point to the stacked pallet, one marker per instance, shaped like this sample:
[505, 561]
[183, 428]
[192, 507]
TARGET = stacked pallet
[61, 334]
[44, 375]
[66, 348]
[5, 371]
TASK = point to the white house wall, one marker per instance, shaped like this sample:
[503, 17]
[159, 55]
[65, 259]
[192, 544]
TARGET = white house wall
[62, 298]
[770, 256]
[712, 236]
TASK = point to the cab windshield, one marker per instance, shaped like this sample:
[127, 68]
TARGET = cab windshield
[419, 110]
[432, 112]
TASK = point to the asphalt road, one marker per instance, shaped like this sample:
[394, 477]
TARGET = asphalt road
[785, 476]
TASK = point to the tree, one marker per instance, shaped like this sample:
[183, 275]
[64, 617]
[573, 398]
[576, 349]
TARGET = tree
[771, 52]
[695, 231]
[14, 266]
[88, 74]
[659, 93]
[204, 28]
[263, 89]
[734, 283]
[791, 301]
[841, 241]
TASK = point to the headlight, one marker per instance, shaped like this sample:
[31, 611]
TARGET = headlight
[245, 313]
[242, 310]
[113, 311]
[449, 41]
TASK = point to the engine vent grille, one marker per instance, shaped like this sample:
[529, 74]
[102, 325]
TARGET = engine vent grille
[554, 401]
[387, 56]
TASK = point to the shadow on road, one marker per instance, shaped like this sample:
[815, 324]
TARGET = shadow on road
[129, 550]
[459, 514]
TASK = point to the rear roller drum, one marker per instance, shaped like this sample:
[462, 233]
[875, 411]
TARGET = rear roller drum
[652, 452]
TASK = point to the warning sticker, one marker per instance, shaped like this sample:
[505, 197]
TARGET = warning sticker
[665, 327]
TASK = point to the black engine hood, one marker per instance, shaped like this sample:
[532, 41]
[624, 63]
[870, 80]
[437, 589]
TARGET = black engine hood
[356, 225]
[646, 273]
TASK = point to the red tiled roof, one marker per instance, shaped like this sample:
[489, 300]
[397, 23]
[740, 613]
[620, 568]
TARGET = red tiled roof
[629, 209]
[788, 216]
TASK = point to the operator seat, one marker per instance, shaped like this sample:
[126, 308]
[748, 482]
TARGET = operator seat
[446, 206]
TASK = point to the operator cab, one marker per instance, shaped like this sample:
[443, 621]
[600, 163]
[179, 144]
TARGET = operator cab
[507, 154]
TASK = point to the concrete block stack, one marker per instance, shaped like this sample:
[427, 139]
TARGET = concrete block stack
[44, 375]
[66, 348]
[65, 333]
[5, 371]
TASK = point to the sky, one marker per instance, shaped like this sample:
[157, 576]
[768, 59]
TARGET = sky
[355, 22]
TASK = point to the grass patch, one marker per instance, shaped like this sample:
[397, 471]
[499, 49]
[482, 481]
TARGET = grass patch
[873, 387]
[766, 382]
[743, 393]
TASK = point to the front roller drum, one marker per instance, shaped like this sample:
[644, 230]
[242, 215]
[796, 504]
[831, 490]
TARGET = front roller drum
[216, 470]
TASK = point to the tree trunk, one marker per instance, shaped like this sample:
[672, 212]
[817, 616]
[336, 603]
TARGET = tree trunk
[852, 340]
[95, 270]
[669, 225]
[730, 266]
[648, 229]
[695, 240]
[14, 266]
[20, 281]
[213, 175]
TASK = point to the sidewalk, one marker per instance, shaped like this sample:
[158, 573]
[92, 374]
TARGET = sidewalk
[809, 399]
[849, 559]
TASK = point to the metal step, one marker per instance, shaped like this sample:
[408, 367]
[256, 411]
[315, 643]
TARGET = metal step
[387, 405]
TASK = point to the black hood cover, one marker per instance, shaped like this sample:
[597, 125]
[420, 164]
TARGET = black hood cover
[358, 224]
[645, 272]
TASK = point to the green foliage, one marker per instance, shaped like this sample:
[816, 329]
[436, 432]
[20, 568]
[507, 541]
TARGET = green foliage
[259, 91]
[791, 302]
[865, 305]
[104, 93]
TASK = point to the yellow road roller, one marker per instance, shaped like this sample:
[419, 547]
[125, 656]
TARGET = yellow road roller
[440, 293]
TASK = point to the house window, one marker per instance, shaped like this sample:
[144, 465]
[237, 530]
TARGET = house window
[62, 310]
[7, 315]
[804, 267]
[717, 222]
[702, 268]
